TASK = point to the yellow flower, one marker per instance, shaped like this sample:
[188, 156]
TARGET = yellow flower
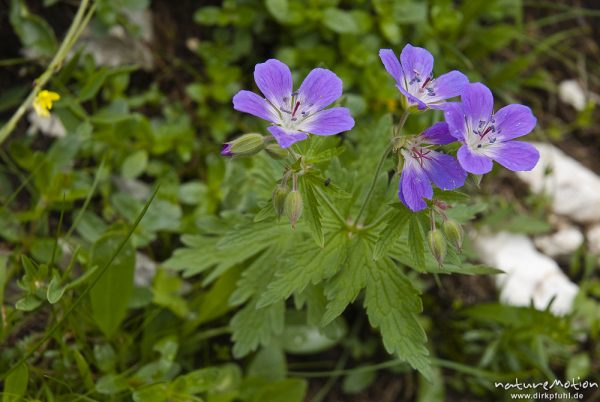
[42, 103]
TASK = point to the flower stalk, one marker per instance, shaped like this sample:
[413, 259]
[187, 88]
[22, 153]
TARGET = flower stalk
[397, 131]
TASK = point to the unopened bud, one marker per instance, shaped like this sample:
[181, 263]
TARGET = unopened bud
[454, 233]
[275, 151]
[247, 144]
[279, 195]
[293, 206]
[437, 245]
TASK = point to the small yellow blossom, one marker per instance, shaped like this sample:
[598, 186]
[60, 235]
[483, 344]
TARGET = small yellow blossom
[42, 103]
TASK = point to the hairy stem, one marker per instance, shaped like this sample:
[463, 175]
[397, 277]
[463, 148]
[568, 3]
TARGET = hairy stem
[386, 152]
[76, 28]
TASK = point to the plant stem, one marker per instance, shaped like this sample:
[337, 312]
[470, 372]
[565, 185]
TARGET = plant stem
[75, 30]
[386, 152]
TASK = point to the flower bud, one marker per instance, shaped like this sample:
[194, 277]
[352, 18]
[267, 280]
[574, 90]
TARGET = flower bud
[454, 233]
[437, 245]
[279, 195]
[293, 206]
[247, 144]
[275, 151]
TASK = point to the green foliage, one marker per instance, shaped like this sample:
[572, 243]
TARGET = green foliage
[393, 305]
[110, 296]
[15, 384]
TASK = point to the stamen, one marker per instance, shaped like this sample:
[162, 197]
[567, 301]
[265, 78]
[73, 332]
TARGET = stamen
[426, 82]
[296, 108]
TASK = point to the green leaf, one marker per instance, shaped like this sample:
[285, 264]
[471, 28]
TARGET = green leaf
[240, 244]
[254, 276]
[15, 384]
[321, 184]
[416, 242]
[55, 291]
[209, 379]
[93, 84]
[3, 261]
[312, 215]
[135, 164]
[213, 304]
[358, 381]
[84, 369]
[166, 292]
[391, 30]
[396, 224]
[28, 303]
[254, 326]
[393, 305]
[269, 363]
[207, 15]
[305, 265]
[579, 366]
[343, 288]
[289, 390]
[33, 31]
[265, 212]
[340, 21]
[153, 393]
[278, 9]
[111, 384]
[105, 357]
[110, 296]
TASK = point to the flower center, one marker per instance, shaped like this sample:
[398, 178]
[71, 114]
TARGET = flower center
[420, 154]
[422, 85]
[294, 110]
[482, 134]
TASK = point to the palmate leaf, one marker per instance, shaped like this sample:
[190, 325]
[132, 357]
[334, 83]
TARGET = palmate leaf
[349, 281]
[312, 214]
[254, 326]
[203, 252]
[402, 251]
[393, 305]
[253, 278]
[396, 225]
[306, 265]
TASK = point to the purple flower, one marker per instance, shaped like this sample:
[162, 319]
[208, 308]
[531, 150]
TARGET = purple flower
[487, 136]
[414, 78]
[295, 114]
[423, 166]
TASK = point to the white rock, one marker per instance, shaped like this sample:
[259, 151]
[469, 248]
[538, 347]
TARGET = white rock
[565, 241]
[571, 93]
[50, 126]
[118, 47]
[530, 276]
[573, 189]
[593, 238]
[145, 269]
